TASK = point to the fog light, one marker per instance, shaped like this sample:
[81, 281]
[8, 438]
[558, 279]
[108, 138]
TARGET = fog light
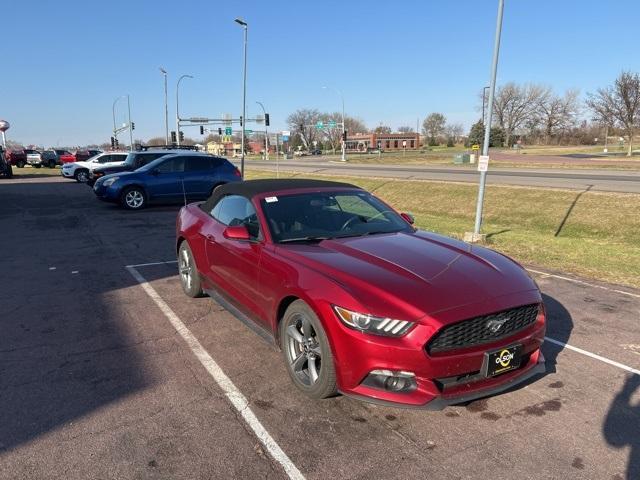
[391, 381]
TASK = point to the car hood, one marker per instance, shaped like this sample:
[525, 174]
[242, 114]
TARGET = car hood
[417, 272]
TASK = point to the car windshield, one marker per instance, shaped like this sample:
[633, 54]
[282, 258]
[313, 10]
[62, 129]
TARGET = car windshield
[312, 217]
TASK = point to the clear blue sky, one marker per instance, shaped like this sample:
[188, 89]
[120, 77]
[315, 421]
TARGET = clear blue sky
[65, 62]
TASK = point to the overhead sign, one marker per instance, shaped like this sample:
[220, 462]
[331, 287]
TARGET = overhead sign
[228, 131]
[285, 138]
[319, 124]
[483, 163]
[332, 123]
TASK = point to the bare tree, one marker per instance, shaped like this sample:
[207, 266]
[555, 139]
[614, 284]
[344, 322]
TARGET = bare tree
[433, 125]
[558, 114]
[302, 123]
[619, 104]
[333, 135]
[406, 129]
[382, 129]
[156, 141]
[454, 131]
[515, 106]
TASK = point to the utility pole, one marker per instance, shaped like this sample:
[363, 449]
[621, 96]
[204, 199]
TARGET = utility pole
[484, 96]
[244, 25]
[487, 127]
[178, 107]
[166, 108]
[113, 111]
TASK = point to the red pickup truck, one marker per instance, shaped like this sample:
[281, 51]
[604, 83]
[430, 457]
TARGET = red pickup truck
[65, 156]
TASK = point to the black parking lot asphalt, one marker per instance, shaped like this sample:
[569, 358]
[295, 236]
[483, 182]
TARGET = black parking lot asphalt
[95, 382]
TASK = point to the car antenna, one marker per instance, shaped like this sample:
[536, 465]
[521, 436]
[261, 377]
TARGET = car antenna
[184, 193]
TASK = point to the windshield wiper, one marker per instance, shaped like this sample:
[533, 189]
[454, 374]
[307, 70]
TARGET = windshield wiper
[304, 239]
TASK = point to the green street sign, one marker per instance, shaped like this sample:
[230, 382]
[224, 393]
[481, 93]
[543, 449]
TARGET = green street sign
[319, 124]
[228, 131]
[248, 131]
[332, 124]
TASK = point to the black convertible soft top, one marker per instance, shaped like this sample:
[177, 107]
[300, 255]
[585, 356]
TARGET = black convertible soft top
[251, 188]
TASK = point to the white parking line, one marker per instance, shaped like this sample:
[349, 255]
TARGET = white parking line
[235, 397]
[151, 264]
[593, 355]
[635, 295]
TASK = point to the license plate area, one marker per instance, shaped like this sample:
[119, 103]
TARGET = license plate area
[501, 361]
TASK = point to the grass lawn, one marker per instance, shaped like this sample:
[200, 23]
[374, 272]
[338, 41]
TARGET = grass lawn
[35, 172]
[591, 234]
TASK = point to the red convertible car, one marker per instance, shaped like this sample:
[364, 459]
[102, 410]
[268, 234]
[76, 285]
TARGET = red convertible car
[358, 300]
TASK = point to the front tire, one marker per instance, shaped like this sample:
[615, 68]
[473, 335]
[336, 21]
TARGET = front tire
[81, 176]
[189, 277]
[307, 353]
[37, 165]
[133, 198]
[20, 164]
[52, 164]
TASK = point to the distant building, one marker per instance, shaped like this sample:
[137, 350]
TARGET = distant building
[364, 142]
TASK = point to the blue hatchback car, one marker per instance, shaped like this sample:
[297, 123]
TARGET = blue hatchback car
[169, 179]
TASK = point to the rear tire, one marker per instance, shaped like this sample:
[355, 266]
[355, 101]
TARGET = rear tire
[20, 164]
[81, 175]
[52, 164]
[189, 276]
[133, 198]
[37, 165]
[307, 353]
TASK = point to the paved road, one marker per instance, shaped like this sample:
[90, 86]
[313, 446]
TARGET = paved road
[96, 383]
[596, 180]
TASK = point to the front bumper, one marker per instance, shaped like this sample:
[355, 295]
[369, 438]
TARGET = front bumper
[106, 194]
[67, 173]
[441, 379]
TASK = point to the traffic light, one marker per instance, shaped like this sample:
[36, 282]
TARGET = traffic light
[266, 119]
[181, 136]
[113, 142]
[201, 130]
[344, 135]
[219, 131]
[133, 125]
[117, 143]
[241, 120]
[173, 137]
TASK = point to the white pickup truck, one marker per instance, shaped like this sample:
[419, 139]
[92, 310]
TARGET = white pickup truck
[80, 170]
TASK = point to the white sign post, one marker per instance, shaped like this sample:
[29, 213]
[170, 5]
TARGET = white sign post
[483, 163]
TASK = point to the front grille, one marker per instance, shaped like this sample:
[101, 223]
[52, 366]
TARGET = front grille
[476, 332]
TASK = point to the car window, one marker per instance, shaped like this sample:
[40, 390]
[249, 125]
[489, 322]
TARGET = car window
[197, 163]
[234, 210]
[105, 159]
[171, 165]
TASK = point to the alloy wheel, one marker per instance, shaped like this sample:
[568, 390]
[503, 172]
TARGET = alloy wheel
[134, 199]
[303, 350]
[82, 176]
[186, 269]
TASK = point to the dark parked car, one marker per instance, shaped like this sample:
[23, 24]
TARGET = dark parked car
[16, 156]
[169, 179]
[134, 161]
[84, 155]
[358, 300]
[316, 151]
[50, 158]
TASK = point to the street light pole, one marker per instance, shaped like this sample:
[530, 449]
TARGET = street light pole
[487, 126]
[113, 110]
[484, 96]
[343, 140]
[266, 137]
[130, 125]
[178, 107]
[244, 25]
[166, 108]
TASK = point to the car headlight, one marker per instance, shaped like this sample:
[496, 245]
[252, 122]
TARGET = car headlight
[364, 322]
[109, 181]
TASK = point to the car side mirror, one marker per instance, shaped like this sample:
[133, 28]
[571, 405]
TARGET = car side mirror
[236, 232]
[408, 217]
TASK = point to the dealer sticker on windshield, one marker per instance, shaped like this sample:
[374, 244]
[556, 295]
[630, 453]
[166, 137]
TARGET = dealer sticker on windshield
[501, 361]
[270, 199]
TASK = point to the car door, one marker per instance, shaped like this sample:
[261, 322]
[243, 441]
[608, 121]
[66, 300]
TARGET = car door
[197, 170]
[234, 264]
[164, 183]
